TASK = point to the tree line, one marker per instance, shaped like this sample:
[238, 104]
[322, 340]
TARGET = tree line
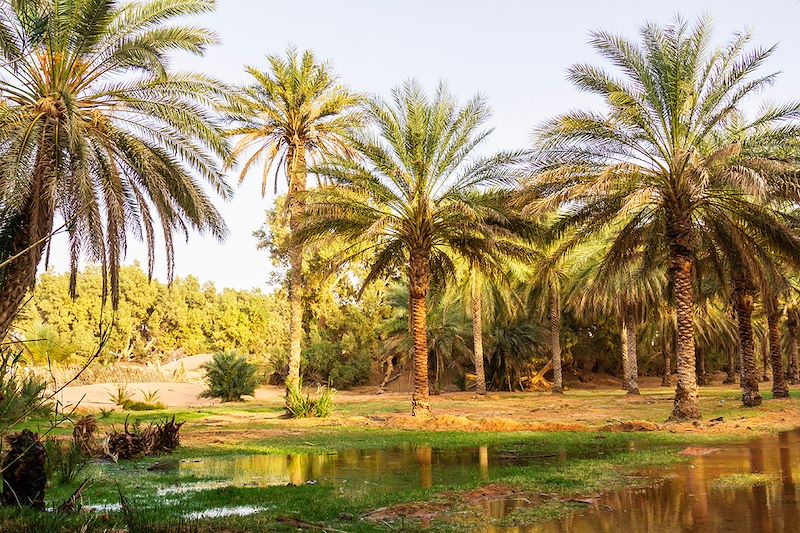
[672, 208]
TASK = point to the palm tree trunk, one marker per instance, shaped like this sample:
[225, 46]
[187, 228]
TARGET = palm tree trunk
[623, 343]
[730, 371]
[765, 375]
[792, 325]
[477, 336]
[779, 387]
[419, 281]
[29, 233]
[743, 302]
[555, 337]
[296, 205]
[686, 403]
[666, 350]
[700, 365]
[632, 383]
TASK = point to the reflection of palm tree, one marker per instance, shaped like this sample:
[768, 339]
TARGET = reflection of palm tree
[424, 460]
[762, 521]
[791, 516]
[483, 460]
[296, 470]
[696, 488]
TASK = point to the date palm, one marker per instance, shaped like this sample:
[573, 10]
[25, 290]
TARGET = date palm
[413, 201]
[628, 293]
[290, 117]
[99, 132]
[656, 163]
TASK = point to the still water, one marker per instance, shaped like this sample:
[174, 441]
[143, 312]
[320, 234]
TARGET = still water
[700, 496]
[695, 497]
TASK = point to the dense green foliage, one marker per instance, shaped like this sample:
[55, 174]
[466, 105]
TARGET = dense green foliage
[229, 377]
[154, 321]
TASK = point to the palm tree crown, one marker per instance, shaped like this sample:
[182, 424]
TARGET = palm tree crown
[98, 131]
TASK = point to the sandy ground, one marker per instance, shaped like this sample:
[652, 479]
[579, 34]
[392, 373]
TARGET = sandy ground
[173, 395]
[597, 405]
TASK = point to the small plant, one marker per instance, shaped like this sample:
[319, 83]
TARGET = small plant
[150, 397]
[325, 397]
[22, 395]
[121, 396]
[299, 406]
[65, 461]
[105, 413]
[230, 377]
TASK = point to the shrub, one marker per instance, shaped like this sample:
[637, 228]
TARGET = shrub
[230, 377]
[121, 396]
[135, 405]
[325, 361]
[22, 394]
[65, 461]
[299, 406]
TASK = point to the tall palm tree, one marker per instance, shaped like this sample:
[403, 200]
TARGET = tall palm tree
[414, 202]
[97, 131]
[774, 313]
[290, 117]
[656, 164]
[793, 327]
[488, 293]
[549, 275]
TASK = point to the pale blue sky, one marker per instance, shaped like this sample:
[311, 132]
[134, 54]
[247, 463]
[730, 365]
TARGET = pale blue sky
[514, 52]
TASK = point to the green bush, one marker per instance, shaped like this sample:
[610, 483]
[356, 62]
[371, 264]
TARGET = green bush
[135, 405]
[230, 377]
[65, 461]
[325, 361]
[22, 395]
[299, 406]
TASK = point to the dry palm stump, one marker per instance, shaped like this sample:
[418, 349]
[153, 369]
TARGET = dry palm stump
[23, 469]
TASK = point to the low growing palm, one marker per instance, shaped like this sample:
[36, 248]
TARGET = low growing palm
[412, 202]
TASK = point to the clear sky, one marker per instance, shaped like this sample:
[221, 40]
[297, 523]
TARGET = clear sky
[514, 52]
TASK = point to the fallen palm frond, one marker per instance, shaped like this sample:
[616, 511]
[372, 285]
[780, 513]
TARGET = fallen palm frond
[133, 442]
[83, 434]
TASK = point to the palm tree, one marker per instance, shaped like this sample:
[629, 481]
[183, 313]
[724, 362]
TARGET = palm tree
[98, 132]
[413, 204]
[627, 294]
[489, 292]
[661, 160]
[476, 301]
[792, 320]
[549, 274]
[774, 313]
[290, 117]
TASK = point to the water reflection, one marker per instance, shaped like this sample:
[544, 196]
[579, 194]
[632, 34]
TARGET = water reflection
[689, 501]
[387, 469]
